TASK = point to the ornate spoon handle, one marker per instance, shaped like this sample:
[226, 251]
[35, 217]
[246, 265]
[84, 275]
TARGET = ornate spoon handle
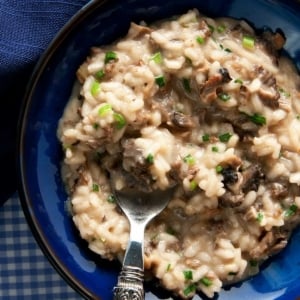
[130, 284]
[130, 281]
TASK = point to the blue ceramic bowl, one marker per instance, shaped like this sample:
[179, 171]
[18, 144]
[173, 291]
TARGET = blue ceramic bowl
[42, 192]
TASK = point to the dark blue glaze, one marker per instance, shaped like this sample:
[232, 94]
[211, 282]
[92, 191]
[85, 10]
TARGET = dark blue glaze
[42, 191]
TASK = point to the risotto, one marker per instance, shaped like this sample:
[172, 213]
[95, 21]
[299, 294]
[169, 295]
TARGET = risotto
[207, 105]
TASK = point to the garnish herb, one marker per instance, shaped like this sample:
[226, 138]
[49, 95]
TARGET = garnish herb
[238, 80]
[259, 217]
[219, 169]
[150, 158]
[95, 187]
[225, 137]
[212, 28]
[232, 273]
[188, 60]
[214, 149]
[120, 120]
[96, 126]
[157, 58]
[171, 231]
[110, 55]
[284, 93]
[111, 198]
[200, 40]
[221, 28]
[190, 289]
[95, 88]
[225, 49]
[223, 96]
[100, 74]
[188, 274]
[258, 119]
[189, 159]
[104, 109]
[193, 185]
[298, 117]
[205, 137]
[168, 267]
[248, 42]
[186, 85]
[160, 80]
[291, 210]
[206, 281]
[253, 263]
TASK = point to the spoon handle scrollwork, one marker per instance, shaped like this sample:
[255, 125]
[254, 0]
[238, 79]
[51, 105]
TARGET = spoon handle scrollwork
[130, 284]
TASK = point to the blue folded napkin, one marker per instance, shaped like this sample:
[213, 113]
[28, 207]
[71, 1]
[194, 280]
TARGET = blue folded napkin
[26, 28]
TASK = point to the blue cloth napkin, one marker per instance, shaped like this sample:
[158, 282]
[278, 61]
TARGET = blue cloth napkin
[26, 28]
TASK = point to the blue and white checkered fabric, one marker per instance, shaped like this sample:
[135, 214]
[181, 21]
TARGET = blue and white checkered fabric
[25, 273]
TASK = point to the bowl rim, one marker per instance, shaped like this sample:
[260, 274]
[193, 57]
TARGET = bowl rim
[38, 70]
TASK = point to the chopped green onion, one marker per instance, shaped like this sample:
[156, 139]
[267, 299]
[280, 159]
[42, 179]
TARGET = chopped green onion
[186, 85]
[100, 74]
[96, 126]
[223, 96]
[215, 149]
[95, 88]
[95, 187]
[232, 273]
[150, 158]
[259, 217]
[171, 231]
[157, 58]
[190, 289]
[219, 169]
[160, 80]
[238, 80]
[206, 281]
[298, 117]
[253, 263]
[168, 267]
[248, 42]
[193, 185]
[205, 138]
[221, 28]
[120, 120]
[284, 93]
[211, 28]
[291, 210]
[189, 159]
[200, 40]
[111, 198]
[225, 137]
[225, 49]
[104, 109]
[110, 55]
[188, 274]
[258, 119]
[188, 61]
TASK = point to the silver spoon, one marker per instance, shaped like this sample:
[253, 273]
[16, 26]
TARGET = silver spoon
[140, 207]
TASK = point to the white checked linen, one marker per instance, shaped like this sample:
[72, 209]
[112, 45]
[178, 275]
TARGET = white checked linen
[25, 273]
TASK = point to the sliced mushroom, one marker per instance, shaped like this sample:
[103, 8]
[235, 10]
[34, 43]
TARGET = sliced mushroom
[229, 199]
[208, 89]
[181, 121]
[225, 75]
[137, 31]
[136, 168]
[268, 92]
[271, 243]
[252, 177]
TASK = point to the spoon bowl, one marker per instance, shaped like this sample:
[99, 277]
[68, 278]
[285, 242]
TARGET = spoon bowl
[140, 207]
